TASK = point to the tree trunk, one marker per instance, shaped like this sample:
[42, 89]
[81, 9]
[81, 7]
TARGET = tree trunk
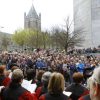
[66, 49]
[44, 46]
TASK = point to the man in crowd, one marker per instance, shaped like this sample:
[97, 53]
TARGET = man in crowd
[15, 91]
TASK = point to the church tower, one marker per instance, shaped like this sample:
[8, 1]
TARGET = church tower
[32, 20]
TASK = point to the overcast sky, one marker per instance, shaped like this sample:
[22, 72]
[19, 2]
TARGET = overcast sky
[53, 12]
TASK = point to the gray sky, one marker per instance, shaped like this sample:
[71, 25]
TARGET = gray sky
[53, 12]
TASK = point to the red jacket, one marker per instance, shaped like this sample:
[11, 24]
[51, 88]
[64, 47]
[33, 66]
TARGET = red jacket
[18, 92]
[27, 96]
[41, 90]
[38, 91]
[4, 81]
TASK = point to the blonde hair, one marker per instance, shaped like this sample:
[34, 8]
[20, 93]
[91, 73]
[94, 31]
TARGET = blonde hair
[56, 83]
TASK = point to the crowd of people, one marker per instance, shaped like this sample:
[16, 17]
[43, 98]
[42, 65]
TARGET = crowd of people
[53, 72]
[85, 51]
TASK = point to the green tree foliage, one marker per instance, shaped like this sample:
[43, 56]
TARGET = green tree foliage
[19, 37]
[45, 39]
[34, 39]
[31, 38]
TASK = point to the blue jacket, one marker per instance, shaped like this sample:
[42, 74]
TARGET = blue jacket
[80, 67]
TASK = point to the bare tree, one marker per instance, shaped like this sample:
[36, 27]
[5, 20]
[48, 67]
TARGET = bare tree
[67, 37]
[56, 36]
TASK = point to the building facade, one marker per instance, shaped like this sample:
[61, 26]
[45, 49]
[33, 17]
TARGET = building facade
[87, 16]
[32, 20]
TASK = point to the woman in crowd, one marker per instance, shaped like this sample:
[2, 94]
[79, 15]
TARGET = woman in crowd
[55, 88]
[39, 77]
[43, 89]
[76, 88]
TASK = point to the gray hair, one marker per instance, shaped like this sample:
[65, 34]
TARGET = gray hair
[17, 74]
[46, 76]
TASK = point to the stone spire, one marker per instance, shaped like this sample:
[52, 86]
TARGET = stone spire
[32, 20]
[32, 12]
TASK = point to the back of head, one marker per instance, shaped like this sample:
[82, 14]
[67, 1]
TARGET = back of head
[17, 75]
[13, 68]
[2, 68]
[56, 83]
[78, 77]
[45, 77]
[31, 73]
[39, 75]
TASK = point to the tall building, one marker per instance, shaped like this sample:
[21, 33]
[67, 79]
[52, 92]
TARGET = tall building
[87, 16]
[32, 20]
